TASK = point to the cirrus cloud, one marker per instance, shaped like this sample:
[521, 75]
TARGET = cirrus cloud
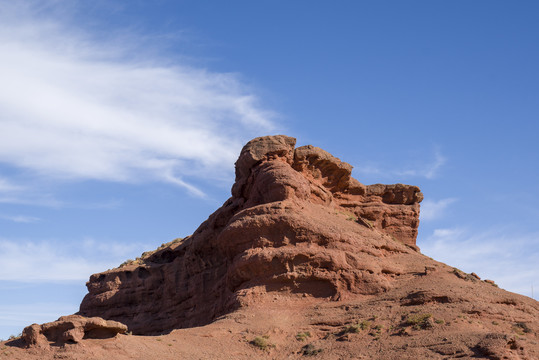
[76, 109]
[503, 254]
[30, 261]
[432, 209]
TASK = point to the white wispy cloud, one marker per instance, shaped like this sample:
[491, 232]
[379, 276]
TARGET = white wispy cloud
[76, 109]
[14, 192]
[26, 199]
[431, 209]
[22, 315]
[428, 168]
[7, 186]
[56, 261]
[26, 194]
[15, 317]
[504, 255]
[20, 218]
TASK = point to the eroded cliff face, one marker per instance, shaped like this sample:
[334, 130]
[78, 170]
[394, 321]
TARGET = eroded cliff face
[300, 249]
[297, 222]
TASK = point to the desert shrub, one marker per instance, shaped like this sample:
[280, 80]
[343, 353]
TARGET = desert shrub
[419, 321]
[303, 336]
[376, 331]
[175, 241]
[364, 325]
[310, 350]
[261, 342]
[356, 328]
[127, 262]
[351, 329]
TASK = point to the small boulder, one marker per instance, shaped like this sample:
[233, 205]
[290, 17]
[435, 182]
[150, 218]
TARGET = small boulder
[71, 329]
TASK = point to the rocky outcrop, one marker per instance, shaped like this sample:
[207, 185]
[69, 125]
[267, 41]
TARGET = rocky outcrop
[392, 209]
[314, 263]
[71, 329]
[297, 222]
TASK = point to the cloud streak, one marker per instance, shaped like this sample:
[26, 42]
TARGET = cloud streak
[432, 210]
[501, 254]
[7, 187]
[11, 193]
[56, 261]
[427, 169]
[22, 315]
[74, 109]
[20, 218]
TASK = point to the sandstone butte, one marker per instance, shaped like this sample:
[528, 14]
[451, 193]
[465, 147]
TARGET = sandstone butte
[302, 261]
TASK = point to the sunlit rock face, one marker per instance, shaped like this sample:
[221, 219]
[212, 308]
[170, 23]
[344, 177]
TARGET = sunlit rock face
[297, 223]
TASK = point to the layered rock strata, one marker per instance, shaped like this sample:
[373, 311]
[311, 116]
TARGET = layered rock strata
[297, 222]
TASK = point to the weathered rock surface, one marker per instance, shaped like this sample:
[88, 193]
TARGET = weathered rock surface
[313, 262]
[71, 329]
[297, 222]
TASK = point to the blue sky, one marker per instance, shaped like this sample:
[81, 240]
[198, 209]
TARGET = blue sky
[120, 123]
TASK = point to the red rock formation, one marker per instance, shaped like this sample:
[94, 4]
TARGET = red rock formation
[297, 222]
[324, 265]
[71, 329]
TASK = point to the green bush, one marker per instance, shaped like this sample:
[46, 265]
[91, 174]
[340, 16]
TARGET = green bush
[310, 350]
[261, 342]
[356, 328]
[419, 321]
[303, 336]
